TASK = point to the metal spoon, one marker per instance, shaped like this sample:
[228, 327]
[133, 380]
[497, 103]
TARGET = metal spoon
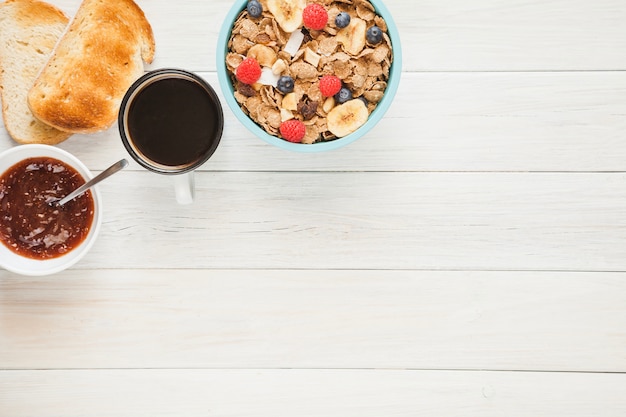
[104, 174]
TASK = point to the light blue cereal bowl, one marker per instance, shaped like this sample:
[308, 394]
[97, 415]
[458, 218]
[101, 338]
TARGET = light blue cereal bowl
[378, 113]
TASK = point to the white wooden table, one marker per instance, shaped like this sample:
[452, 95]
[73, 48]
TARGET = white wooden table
[465, 258]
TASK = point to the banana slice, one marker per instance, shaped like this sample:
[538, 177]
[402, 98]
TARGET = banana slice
[288, 13]
[264, 55]
[352, 37]
[347, 117]
[290, 102]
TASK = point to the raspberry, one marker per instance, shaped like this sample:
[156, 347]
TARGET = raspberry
[249, 71]
[292, 130]
[315, 16]
[330, 85]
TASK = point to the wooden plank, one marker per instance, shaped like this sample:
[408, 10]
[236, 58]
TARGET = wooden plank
[450, 35]
[314, 319]
[518, 35]
[372, 220]
[313, 393]
[444, 122]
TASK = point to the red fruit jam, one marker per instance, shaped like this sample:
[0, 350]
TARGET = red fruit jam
[30, 224]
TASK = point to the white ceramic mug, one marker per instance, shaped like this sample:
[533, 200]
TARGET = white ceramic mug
[23, 265]
[171, 122]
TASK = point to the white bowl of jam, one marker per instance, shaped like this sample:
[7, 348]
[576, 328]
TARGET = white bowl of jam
[37, 237]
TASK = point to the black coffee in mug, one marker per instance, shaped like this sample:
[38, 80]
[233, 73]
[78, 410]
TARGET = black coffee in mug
[171, 121]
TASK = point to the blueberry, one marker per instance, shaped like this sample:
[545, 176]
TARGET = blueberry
[285, 84]
[342, 20]
[364, 100]
[254, 9]
[343, 95]
[374, 35]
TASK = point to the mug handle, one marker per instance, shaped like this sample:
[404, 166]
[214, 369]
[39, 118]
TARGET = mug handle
[184, 187]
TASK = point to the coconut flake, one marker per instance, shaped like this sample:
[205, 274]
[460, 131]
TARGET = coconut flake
[268, 77]
[294, 42]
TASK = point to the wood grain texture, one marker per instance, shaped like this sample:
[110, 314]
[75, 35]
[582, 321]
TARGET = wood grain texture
[314, 319]
[310, 393]
[467, 257]
[449, 35]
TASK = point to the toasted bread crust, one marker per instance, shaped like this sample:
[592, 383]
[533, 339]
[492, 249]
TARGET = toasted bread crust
[29, 30]
[100, 55]
[33, 12]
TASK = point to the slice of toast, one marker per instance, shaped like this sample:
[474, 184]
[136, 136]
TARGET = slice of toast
[101, 54]
[29, 29]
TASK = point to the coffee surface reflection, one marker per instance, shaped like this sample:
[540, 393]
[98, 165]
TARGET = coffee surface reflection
[172, 122]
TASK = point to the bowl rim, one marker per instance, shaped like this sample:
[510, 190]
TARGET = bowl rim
[42, 267]
[378, 113]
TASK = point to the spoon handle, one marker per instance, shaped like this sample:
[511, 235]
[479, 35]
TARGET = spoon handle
[104, 174]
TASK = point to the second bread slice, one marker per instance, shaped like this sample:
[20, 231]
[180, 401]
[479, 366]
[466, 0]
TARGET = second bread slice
[81, 87]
